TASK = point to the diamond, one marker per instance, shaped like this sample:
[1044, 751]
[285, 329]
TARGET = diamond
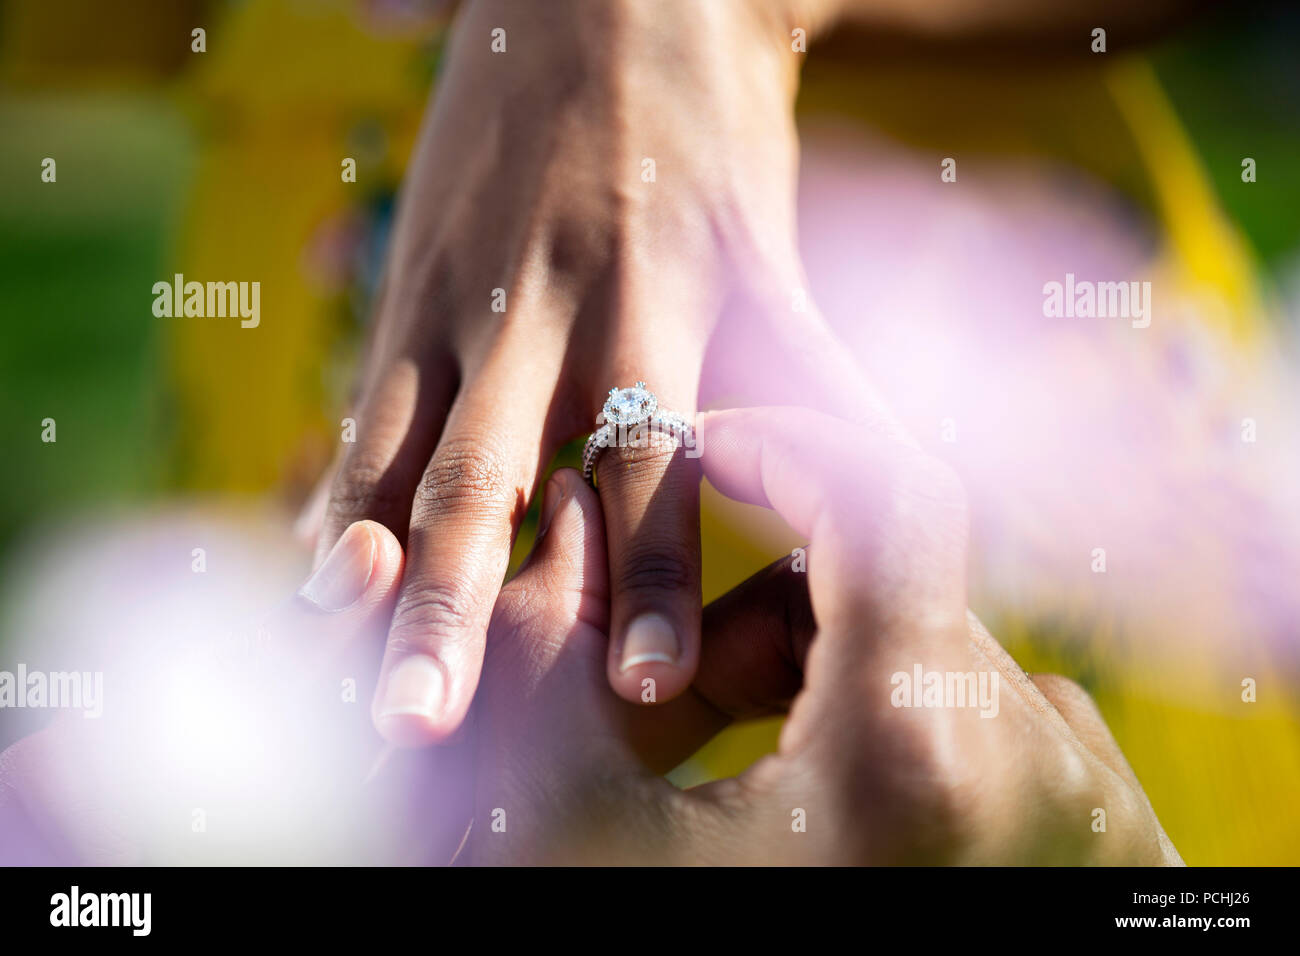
[630, 406]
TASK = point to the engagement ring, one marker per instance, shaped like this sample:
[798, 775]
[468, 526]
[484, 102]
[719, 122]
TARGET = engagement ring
[632, 416]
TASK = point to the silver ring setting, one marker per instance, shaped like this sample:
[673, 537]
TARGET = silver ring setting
[632, 417]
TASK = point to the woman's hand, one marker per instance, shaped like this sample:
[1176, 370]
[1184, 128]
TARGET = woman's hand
[870, 768]
[584, 202]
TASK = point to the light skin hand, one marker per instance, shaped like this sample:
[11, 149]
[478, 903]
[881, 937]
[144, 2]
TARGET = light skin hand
[876, 783]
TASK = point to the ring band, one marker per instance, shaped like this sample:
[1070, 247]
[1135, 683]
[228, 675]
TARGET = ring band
[634, 409]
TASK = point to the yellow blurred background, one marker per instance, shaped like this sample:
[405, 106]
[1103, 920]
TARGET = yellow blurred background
[226, 165]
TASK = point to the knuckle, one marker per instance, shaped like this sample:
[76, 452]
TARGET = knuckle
[365, 485]
[432, 616]
[1059, 687]
[661, 568]
[463, 473]
[1067, 793]
[641, 461]
[1067, 796]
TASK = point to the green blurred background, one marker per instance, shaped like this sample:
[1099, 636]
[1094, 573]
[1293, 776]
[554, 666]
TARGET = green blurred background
[225, 165]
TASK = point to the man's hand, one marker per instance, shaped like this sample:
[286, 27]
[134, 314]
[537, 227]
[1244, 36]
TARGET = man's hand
[866, 772]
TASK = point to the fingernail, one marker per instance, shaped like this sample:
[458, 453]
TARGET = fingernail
[342, 578]
[552, 495]
[650, 639]
[415, 687]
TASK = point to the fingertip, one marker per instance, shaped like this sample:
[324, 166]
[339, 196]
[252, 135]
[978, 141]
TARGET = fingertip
[343, 578]
[410, 731]
[359, 573]
[725, 435]
[410, 709]
[570, 539]
[571, 484]
[654, 661]
[389, 558]
[564, 484]
[573, 487]
[649, 679]
[344, 600]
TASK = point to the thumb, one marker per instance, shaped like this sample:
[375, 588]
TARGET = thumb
[551, 620]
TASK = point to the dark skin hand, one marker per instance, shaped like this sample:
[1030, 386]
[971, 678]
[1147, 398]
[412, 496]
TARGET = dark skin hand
[531, 189]
[871, 782]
